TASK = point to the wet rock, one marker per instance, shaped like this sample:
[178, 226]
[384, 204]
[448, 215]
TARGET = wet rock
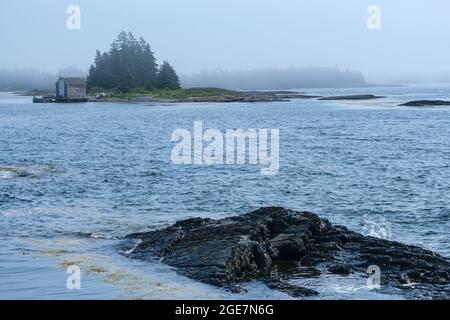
[353, 97]
[278, 245]
[14, 171]
[292, 290]
[426, 103]
[340, 269]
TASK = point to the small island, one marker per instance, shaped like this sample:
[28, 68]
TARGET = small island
[129, 72]
[353, 97]
[426, 103]
[197, 95]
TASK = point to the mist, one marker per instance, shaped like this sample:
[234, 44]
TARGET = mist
[276, 79]
[410, 46]
[31, 79]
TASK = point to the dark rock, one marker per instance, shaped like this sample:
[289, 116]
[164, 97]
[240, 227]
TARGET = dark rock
[426, 103]
[340, 269]
[353, 97]
[292, 290]
[276, 245]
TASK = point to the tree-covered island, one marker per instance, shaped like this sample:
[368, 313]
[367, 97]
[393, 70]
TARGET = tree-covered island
[130, 64]
[129, 72]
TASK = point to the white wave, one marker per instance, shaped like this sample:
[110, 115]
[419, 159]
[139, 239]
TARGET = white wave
[136, 245]
[377, 226]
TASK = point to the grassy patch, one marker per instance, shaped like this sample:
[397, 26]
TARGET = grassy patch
[168, 94]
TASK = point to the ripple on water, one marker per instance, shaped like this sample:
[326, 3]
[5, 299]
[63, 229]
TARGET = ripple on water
[124, 278]
[380, 171]
[30, 171]
[7, 197]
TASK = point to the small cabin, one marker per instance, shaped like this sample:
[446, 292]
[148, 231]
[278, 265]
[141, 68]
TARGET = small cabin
[71, 88]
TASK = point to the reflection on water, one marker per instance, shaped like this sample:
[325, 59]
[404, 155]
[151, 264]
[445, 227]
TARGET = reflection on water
[74, 179]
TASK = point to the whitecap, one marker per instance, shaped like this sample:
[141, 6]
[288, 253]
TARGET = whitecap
[377, 226]
[135, 246]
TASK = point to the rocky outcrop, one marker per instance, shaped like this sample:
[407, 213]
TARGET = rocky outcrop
[238, 96]
[353, 97]
[273, 244]
[426, 103]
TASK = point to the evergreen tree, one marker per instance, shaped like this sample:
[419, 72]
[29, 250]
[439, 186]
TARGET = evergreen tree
[167, 77]
[129, 63]
[148, 65]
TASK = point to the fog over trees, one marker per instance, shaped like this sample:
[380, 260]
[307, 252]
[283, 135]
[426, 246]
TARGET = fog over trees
[30, 79]
[265, 79]
[232, 35]
[276, 79]
[25, 79]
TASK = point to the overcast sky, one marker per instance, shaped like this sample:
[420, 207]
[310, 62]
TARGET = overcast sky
[414, 39]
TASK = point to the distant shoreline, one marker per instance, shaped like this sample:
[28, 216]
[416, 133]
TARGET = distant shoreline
[194, 95]
[217, 95]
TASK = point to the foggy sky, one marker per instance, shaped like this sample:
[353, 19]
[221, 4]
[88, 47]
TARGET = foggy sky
[413, 43]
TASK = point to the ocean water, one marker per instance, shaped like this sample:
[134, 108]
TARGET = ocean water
[74, 179]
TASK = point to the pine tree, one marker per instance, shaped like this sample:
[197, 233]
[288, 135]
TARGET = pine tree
[93, 77]
[167, 77]
[148, 65]
[130, 63]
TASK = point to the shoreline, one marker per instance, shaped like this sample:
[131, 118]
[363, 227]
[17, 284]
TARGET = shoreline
[248, 97]
[229, 96]
[273, 244]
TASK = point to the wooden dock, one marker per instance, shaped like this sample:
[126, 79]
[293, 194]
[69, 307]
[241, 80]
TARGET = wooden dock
[50, 99]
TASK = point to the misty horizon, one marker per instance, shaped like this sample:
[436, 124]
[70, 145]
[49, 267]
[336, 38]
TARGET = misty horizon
[235, 36]
[262, 79]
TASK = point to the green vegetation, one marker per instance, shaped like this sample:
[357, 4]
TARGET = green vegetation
[166, 93]
[167, 77]
[193, 93]
[129, 71]
[130, 64]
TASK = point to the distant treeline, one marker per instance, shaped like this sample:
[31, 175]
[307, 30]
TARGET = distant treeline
[276, 79]
[29, 79]
[25, 79]
[130, 64]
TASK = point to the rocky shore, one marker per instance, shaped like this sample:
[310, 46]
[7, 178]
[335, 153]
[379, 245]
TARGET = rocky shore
[244, 96]
[229, 96]
[275, 245]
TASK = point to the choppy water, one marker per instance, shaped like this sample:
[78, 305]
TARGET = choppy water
[75, 178]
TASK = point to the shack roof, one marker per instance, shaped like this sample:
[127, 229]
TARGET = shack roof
[73, 80]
